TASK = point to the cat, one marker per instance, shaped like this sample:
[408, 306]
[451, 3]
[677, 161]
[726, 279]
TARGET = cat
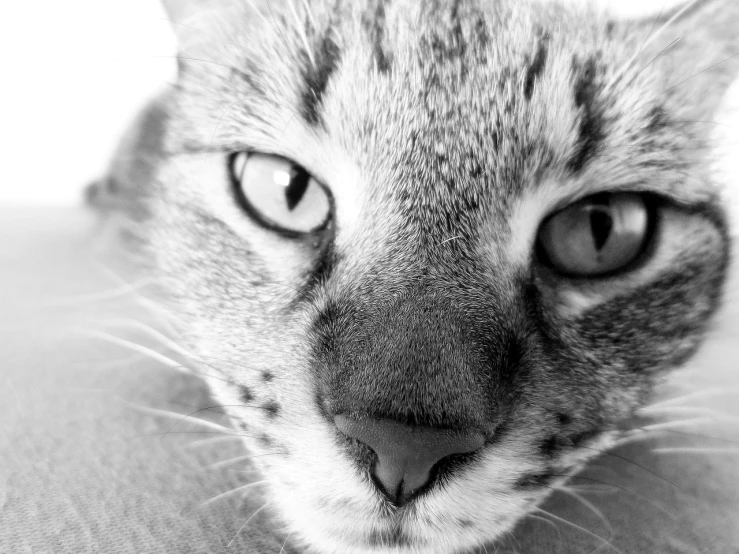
[437, 251]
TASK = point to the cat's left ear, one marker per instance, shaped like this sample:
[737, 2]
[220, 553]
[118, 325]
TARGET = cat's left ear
[181, 10]
[197, 23]
[696, 49]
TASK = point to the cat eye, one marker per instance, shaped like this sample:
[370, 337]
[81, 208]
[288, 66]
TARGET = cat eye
[598, 235]
[280, 194]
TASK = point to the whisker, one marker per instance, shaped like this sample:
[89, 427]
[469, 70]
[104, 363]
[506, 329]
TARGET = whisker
[220, 119]
[632, 463]
[650, 38]
[294, 425]
[152, 307]
[666, 425]
[706, 412]
[510, 534]
[548, 522]
[651, 431]
[654, 59]
[230, 493]
[701, 436]
[623, 489]
[169, 343]
[589, 489]
[648, 431]
[695, 450]
[450, 239]
[588, 505]
[703, 71]
[199, 358]
[150, 331]
[150, 353]
[212, 441]
[285, 543]
[237, 459]
[719, 123]
[696, 395]
[158, 412]
[153, 354]
[247, 522]
[182, 417]
[159, 434]
[261, 16]
[91, 298]
[579, 527]
[194, 59]
[208, 408]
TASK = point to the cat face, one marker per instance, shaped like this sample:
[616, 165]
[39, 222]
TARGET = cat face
[474, 230]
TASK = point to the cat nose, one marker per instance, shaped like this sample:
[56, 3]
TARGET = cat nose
[406, 454]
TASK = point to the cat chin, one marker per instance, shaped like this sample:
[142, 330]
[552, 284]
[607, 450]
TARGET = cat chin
[443, 524]
[408, 539]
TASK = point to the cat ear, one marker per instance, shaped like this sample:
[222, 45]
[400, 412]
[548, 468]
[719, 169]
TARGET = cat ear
[195, 22]
[181, 10]
[696, 49]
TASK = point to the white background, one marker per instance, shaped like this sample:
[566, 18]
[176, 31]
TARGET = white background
[72, 74]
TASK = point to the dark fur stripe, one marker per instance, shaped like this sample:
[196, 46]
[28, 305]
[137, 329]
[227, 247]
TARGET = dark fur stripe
[320, 272]
[316, 77]
[657, 119]
[374, 24]
[591, 120]
[536, 66]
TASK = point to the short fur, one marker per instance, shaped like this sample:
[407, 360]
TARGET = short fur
[446, 130]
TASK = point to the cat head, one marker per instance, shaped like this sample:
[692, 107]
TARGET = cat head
[435, 251]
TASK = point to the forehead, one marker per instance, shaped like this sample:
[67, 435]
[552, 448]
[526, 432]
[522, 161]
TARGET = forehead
[464, 104]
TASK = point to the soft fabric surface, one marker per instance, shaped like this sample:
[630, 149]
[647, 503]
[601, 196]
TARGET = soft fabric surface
[93, 457]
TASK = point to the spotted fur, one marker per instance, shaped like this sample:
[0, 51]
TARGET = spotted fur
[446, 130]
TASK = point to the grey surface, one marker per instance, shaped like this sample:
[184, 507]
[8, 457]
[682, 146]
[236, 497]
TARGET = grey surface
[85, 467]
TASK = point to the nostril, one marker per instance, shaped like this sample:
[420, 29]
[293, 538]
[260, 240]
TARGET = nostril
[406, 455]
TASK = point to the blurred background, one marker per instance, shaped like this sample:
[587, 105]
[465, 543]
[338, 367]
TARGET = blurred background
[75, 71]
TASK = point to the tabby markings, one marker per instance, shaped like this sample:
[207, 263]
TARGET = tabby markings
[316, 77]
[374, 25]
[537, 65]
[591, 126]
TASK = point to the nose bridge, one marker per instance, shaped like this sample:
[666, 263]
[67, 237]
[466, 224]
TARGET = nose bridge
[413, 358]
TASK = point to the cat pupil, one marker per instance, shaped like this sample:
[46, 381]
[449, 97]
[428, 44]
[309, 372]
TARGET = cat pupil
[601, 225]
[295, 191]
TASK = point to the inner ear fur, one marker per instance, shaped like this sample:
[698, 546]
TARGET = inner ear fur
[200, 24]
[696, 51]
